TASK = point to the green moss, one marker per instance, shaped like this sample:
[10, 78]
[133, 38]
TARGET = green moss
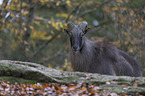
[97, 82]
[80, 75]
[15, 79]
[130, 90]
[27, 64]
[120, 79]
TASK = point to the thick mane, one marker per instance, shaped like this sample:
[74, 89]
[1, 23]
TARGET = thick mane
[103, 57]
[98, 56]
[82, 63]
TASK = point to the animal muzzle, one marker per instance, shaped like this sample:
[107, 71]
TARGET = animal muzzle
[75, 48]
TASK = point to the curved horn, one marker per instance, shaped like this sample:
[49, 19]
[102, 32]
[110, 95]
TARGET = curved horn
[70, 25]
[83, 25]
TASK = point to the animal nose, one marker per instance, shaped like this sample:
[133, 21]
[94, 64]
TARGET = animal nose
[75, 48]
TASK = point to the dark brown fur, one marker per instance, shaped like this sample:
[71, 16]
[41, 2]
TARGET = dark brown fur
[98, 56]
[104, 58]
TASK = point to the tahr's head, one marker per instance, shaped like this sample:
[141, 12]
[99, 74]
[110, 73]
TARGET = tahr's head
[76, 34]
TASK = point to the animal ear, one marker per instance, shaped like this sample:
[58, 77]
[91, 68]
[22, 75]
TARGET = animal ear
[83, 26]
[86, 29]
[70, 26]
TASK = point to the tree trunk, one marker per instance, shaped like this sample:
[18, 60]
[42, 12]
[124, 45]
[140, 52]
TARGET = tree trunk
[29, 23]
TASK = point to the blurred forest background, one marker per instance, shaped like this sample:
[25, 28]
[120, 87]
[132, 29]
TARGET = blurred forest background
[32, 30]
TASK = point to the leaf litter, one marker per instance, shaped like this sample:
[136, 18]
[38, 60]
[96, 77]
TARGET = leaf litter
[54, 89]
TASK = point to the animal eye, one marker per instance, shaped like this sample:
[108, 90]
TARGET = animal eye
[82, 34]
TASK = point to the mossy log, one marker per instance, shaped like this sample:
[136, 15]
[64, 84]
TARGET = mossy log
[40, 73]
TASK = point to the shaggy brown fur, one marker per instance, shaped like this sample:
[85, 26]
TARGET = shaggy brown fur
[99, 56]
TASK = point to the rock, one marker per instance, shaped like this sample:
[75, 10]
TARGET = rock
[39, 73]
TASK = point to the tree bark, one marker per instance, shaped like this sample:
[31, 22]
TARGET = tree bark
[27, 34]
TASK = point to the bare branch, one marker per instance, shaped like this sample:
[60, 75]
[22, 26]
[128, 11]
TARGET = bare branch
[44, 45]
[20, 20]
[58, 53]
[2, 11]
[94, 9]
[73, 11]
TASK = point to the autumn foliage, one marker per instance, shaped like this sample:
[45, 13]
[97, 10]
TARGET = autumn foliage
[32, 30]
[54, 89]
